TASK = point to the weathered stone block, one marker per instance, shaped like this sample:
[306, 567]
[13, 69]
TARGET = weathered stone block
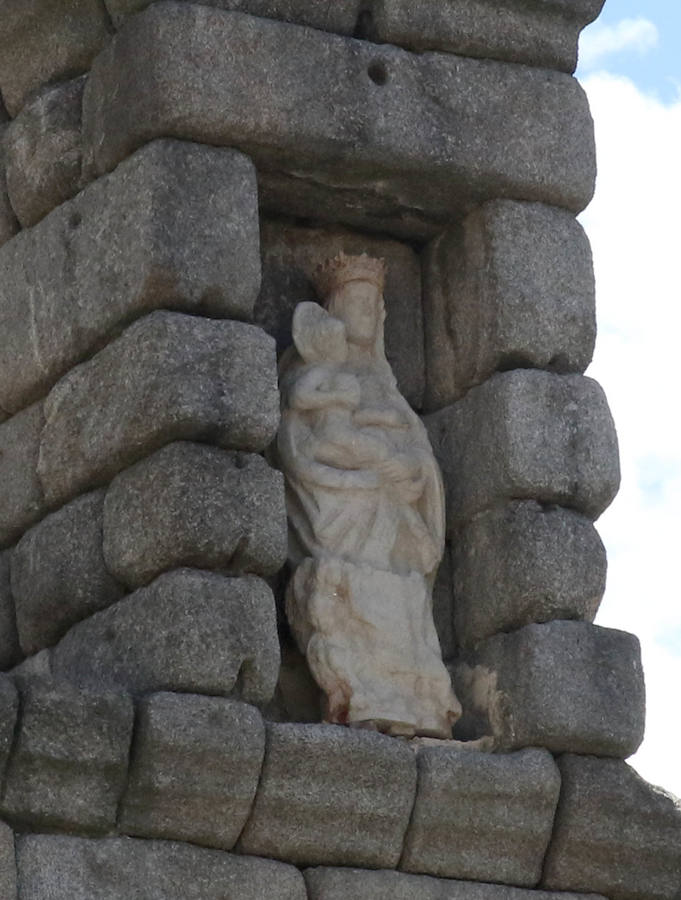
[290, 256]
[524, 563]
[8, 865]
[174, 227]
[340, 18]
[8, 220]
[168, 377]
[360, 884]
[322, 797]
[43, 151]
[10, 651]
[43, 41]
[408, 140]
[527, 435]
[22, 501]
[482, 817]
[189, 631]
[195, 769]
[66, 868]
[195, 505]
[511, 287]
[58, 573]
[614, 833]
[69, 764]
[531, 32]
[567, 686]
[9, 708]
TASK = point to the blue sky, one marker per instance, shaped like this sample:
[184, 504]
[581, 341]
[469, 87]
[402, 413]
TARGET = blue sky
[630, 67]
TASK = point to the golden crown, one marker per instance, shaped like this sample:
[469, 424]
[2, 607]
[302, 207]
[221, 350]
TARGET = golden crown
[335, 272]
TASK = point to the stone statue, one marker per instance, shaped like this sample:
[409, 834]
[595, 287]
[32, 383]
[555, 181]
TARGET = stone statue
[366, 515]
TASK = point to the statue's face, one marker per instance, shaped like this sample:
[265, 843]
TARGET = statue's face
[357, 303]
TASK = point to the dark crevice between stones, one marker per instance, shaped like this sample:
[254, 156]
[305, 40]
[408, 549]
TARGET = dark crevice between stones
[132, 754]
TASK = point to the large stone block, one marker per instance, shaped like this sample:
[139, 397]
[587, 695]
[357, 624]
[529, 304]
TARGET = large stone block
[532, 32]
[22, 501]
[43, 41]
[8, 220]
[188, 631]
[568, 686]
[43, 151]
[527, 435]
[510, 287]
[68, 767]
[9, 709]
[290, 256]
[10, 651]
[523, 563]
[360, 884]
[8, 865]
[407, 140]
[174, 227]
[67, 868]
[614, 833]
[195, 769]
[322, 797]
[482, 817]
[169, 377]
[195, 505]
[340, 18]
[58, 573]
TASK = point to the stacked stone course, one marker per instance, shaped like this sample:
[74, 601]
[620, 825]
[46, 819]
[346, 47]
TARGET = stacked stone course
[171, 174]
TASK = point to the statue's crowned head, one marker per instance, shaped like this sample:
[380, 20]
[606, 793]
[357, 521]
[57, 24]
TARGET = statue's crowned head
[352, 288]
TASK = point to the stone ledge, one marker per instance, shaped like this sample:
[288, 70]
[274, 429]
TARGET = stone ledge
[175, 226]
[415, 139]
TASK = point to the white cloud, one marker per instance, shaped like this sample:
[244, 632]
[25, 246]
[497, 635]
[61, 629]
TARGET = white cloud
[639, 35]
[633, 224]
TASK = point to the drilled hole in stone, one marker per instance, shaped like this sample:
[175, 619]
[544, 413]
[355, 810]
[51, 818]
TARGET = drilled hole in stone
[378, 72]
[75, 220]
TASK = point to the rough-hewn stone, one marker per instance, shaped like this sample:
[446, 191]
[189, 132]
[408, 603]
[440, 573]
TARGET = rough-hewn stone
[175, 226]
[567, 686]
[290, 256]
[22, 501]
[8, 865]
[10, 651]
[195, 505]
[322, 797]
[68, 768]
[532, 32]
[58, 573]
[614, 833]
[43, 41]
[43, 151]
[195, 769]
[168, 377]
[410, 140]
[189, 630]
[360, 884]
[524, 563]
[482, 817]
[527, 435]
[340, 18]
[66, 868]
[511, 287]
[8, 220]
[9, 707]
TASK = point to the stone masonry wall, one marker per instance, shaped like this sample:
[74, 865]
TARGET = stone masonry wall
[171, 173]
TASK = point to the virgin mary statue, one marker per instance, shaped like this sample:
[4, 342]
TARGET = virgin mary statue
[366, 514]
